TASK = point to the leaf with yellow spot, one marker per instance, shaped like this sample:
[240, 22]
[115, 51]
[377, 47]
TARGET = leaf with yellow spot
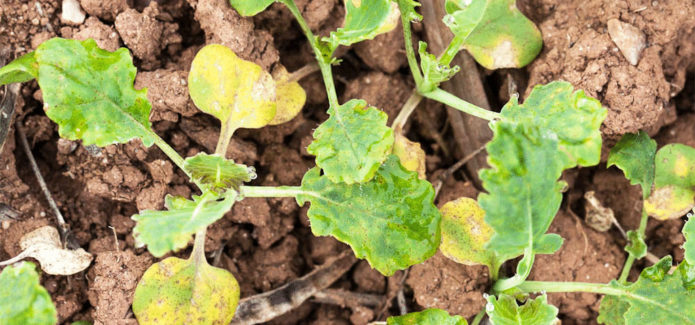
[237, 92]
[674, 183]
[177, 291]
[411, 155]
[465, 233]
[290, 97]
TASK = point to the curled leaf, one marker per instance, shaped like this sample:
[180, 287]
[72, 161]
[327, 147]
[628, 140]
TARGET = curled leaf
[365, 19]
[176, 291]
[634, 155]
[597, 216]
[674, 183]
[43, 244]
[22, 299]
[411, 155]
[465, 233]
[504, 310]
[24, 68]
[218, 173]
[433, 72]
[290, 97]
[430, 316]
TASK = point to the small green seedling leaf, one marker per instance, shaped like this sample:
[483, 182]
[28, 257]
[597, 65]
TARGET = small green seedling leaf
[217, 173]
[523, 192]
[505, 311]
[364, 19]
[572, 115]
[290, 97]
[433, 71]
[176, 291]
[431, 316]
[674, 183]
[248, 8]
[22, 299]
[24, 68]
[411, 155]
[689, 246]
[634, 154]
[352, 144]
[636, 245]
[165, 231]
[495, 32]
[391, 220]
[465, 233]
[235, 91]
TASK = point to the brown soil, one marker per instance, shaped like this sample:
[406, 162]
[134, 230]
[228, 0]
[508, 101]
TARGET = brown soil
[266, 243]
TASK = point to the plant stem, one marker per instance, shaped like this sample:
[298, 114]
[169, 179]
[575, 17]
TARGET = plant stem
[447, 98]
[198, 254]
[479, 317]
[631, 257]
[405, 112]
[227, 128]
[170, 152]
[451, 50]
[303, 72]
[409, 51]
[323, 58]
[549, 286]
[273, 191]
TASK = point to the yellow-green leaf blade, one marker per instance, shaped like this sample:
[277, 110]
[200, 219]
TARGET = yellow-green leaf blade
[674, 182]
[465, 233]
[365, 19]
[391, 220]
[217, 173]
[505, 311]
[22, 69]
[291, 97]
[176, 291]
[634, 154]
[689, 246]
[22, 299]
[431, 316]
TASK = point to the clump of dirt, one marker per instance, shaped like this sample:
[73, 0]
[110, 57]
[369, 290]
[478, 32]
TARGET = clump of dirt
[106, 36]
[383, 91]
[167, 90]
[385, 52]
[106, 10]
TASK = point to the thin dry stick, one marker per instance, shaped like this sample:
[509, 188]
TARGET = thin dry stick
[349, 299]
[447, 173]
[7, 111]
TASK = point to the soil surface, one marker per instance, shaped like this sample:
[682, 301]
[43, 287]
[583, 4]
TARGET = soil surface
[266, 243]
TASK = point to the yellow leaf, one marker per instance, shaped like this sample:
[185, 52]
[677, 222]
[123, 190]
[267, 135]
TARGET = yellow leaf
[669, 202]
[411, 155]
[290, 97]
[465, 233]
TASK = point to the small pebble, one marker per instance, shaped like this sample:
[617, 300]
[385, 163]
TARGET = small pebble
[629, 39]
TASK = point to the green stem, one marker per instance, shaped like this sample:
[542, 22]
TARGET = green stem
[451, 50]
[174, 156]
[478, 318]
[323, 58]
[631, 257]
[227, 129]
[447, 98]
[405, 112]
[198, 254]
[549, 286]
[409, 49]
[273, 191]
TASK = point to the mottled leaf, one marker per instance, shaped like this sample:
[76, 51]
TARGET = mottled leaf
[465, 233]
[24, 68]
[689, 246]
[354, 141]
[572, 115]
[248, 8]
[391, 220]
[431, 316]
[411, 155]
[237, 92]
[634, 154]
[364, 19]
[495, 32]
[22, 299]
[523, 192]
[218, 173]
[505, 311]
[171, 230]
[636, 245]
[612, 311]
[674, 183]
[290, 97]
[176, 291]
[433, 72]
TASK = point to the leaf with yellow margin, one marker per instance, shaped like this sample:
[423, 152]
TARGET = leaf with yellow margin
[411, 155]
[237, 92]
[177, 291]
[465, 233]
[674, 183]
[290, 97]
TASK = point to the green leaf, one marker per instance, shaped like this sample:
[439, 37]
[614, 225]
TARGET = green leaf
[176, 291]
[636, 245]
[22, 299]
[364, 19]
[465, 233]
[572, 115]
[89, 93]
[433, 71]
[634, 154]
[248, 8]
[495, 32]
[354, 141]
[391, 220]
[24, 68]
[674, 181]
[505, 311]
[217, 173]
[689, 246]
[523, 192]
[612, 311]
[165, 231]
[431, 316]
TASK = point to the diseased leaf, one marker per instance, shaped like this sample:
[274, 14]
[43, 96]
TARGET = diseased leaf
[176, 291]
[411, 155]
[431, 316]
[89, 93]
[391, 220]
[689, 246]
[674, 183]
[634, 154]
[22, 69]
[465, 233]
[364, 19]
[235, 91]
[248, 8]
[290, 97]
[495, 32]
[22, 299]
[354, 141]
[636, 245]
[433, 71]
[523, 192]
[505, 311]
[572, 115]
[165, 231]
[217, 173]
[612, 311]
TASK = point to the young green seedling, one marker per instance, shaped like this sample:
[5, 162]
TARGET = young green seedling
[22, 299]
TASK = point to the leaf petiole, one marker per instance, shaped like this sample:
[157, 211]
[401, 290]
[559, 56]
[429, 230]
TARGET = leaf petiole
[449, 99]
[550, 286]
[409, 49]
[631, 257]
[274, 191]
[452, 49]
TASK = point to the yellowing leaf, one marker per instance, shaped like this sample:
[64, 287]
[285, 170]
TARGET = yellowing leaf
[411, 155]
[176, 291]
[465, 233]
[674, 183]
[290, 97]
[237, 92]
[669, 202]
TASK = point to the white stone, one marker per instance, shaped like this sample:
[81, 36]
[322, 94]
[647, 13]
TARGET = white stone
[72, 12]
[629, 39]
